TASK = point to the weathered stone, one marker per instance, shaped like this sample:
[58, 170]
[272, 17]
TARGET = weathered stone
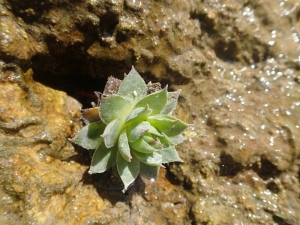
[237, 63]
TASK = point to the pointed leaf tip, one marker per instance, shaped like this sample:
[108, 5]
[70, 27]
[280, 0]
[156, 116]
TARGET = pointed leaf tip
[133, 86]
[123, 147]
[170, 154]
[172, 102]
[128, 171]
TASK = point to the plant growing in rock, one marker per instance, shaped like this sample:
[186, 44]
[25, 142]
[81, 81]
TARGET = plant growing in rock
[136, 132]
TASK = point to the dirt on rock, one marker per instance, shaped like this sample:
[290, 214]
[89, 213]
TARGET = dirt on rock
[237, 63]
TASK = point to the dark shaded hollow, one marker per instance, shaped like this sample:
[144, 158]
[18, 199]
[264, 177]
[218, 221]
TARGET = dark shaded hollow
[80, 76]
[266, 170]
[75, 74]
[229, 167]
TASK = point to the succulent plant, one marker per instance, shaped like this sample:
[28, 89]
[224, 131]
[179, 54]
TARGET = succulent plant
[135, 132]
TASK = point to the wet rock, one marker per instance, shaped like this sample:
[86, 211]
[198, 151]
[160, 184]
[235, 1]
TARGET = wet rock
[237, 63]
[18, 41]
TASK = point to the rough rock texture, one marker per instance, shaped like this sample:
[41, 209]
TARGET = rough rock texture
[238, 65]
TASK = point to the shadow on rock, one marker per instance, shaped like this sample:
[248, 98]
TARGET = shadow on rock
[109, 186]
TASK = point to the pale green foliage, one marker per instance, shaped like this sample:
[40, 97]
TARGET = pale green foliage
[136, 133]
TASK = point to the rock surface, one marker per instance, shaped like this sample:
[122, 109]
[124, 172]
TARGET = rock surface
[238, 65]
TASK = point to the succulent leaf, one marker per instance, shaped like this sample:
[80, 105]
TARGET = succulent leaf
[133, 86]
[112, 131]
[152, 130]
[135, 131]
[148, 138]
[103, 159]
[169, 125]
[165, 140]
[176, 140]
[128, 171]
[152, 159]
[89, 136]
[138, 114]
[156, 101]
[153, 141]
[149, 171]
[142, 146]
[123, 146]
[170, 155]
[172, 102]
[113, 107]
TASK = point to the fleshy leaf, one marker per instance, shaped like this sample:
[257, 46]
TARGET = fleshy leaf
[152, 159]
[89, 136]
[128, 171]
[152, 130]
[114, 107]
[103, 159]
[112, 131]
[156, 101]
[139, 114]
[176, 140]
[169, 125]
[153, 141]
[149, 171]
[142, 146]
[172, 102]
[170, 155]
[133, 86]
[135, 131]
[123, 146]
[148, 138]
[165, 140]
